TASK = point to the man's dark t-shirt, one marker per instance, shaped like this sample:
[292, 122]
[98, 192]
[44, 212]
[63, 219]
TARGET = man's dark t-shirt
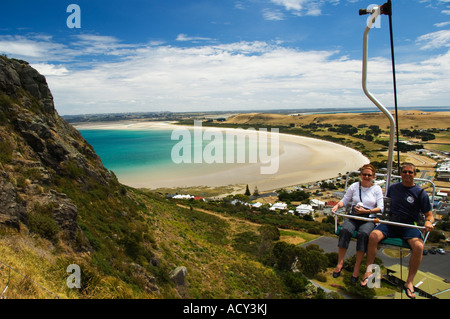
[407, 203]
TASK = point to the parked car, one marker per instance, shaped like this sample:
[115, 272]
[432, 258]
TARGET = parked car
[432, 251]
[425, 252]
[441, 251]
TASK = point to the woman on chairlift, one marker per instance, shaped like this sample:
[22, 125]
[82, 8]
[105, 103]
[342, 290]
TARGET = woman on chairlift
[367, 201]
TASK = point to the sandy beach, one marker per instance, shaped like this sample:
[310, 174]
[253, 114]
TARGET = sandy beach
[301, 160]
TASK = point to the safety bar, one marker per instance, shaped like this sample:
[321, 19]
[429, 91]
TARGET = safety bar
[375, 13]
[376, 221]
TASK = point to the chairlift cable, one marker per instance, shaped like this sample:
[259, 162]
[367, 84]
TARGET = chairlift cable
[394, 80]
[26, 277]
[388, 11]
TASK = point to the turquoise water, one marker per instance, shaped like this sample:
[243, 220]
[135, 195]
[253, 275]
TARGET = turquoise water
[123, 151]
[141, 157]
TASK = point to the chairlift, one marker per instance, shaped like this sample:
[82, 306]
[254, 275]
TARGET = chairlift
[384, 217]
[375, 12]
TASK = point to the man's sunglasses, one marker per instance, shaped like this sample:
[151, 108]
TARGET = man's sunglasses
[408, 172]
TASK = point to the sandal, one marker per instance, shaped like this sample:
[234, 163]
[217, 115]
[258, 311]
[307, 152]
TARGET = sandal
[363, 282]
[337, 273]
[412, 294]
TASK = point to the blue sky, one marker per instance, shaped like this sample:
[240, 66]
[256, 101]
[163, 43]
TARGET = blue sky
[209, 55]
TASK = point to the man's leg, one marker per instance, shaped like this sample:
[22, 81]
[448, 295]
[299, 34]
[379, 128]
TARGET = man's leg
[372, 248]
[415, 260]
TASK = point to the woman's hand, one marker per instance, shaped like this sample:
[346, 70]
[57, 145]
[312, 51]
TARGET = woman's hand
[335, 208]
[361, 210]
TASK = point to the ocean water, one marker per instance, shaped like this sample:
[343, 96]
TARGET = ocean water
[124, 151]
[139, 156]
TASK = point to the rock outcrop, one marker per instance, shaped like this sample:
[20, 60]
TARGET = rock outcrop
[37, 149]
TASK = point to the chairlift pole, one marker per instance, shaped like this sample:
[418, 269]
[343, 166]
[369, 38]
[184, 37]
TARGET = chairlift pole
[375, 12]
[388, 11]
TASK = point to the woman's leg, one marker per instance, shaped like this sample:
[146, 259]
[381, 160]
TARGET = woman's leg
[345, 235]
[364, 231]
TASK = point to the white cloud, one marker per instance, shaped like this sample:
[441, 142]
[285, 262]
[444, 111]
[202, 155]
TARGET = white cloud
[442, 24]
[303, 7]
[185, 37]
[50, 69]
[435, 40]
[35, 47]
[295, 5]
[273, 15]
[233, 76]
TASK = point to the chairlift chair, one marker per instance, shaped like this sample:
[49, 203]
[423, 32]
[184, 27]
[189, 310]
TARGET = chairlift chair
[384, 217]
[375, 12]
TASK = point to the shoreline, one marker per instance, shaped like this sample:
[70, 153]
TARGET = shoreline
[301, 160]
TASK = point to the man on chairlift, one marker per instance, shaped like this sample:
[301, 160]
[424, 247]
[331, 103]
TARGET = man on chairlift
[408, 201]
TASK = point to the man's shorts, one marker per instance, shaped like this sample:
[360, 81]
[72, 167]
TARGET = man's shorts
[406, 233]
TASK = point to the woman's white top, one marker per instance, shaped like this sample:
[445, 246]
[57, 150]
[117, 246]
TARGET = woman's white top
[371, 196]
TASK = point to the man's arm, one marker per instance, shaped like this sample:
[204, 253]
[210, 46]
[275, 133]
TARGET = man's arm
[429, 221]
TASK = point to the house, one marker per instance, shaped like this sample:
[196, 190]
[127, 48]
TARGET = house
[317, 204]
[331, 203]
[443, 172]
[442, 195]
[257, 205]
[240, 202]
[304, 209]
[279, 206]
[179, 196]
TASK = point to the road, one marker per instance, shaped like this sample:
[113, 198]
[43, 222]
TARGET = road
[435, 264]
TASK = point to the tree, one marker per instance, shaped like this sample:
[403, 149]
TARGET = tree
[269, 232]
[247, 191]
[312, 261]
[256, 192]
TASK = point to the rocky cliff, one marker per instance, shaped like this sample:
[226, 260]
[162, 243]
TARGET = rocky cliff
[37, 149]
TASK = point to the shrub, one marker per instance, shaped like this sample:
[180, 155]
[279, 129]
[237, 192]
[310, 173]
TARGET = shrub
[5, 152]
[42, 223]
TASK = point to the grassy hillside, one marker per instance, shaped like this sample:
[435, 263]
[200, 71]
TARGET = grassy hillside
[132, 240]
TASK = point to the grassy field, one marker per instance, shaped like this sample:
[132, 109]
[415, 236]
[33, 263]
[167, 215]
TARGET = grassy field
[407, 119]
